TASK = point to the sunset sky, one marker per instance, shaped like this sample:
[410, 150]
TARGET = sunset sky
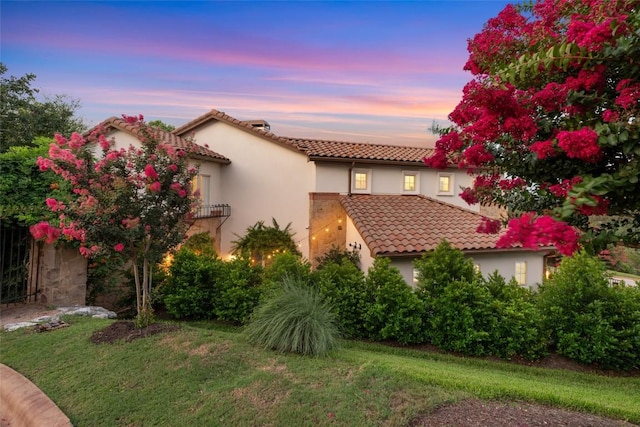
[380, 72]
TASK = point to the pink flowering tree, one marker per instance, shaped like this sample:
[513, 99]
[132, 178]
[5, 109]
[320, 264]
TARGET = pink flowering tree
[550, 123]
[132, 205]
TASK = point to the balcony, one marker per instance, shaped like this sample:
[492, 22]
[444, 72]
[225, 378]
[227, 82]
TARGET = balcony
[213, 211]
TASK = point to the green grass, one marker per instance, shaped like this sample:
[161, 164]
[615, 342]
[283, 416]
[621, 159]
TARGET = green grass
[627, 275]
[203, 375]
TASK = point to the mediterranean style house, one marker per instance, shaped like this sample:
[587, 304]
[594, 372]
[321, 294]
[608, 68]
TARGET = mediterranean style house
[378, 199]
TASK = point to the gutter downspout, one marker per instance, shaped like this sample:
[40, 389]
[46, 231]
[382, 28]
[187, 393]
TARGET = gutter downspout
[349, 180]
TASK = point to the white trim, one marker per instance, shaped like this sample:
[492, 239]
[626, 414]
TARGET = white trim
[416, 182]
[354, 183]
[439, 183]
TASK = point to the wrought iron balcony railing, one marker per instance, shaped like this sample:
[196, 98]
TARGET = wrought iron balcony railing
[213, 211]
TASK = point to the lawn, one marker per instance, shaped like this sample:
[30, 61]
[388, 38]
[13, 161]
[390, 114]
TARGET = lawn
[207, 375]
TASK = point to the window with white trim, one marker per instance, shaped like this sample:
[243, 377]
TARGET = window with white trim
[445, 184]
[410, 182]
[361, 181]
[521, 272]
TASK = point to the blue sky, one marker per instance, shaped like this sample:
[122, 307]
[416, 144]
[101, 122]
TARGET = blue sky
[380, 72]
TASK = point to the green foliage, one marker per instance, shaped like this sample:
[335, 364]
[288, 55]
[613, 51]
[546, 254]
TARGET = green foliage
[23, 188]
[442, 266]
[396, 311]
[462, 318]
[190, 290]
[517, 330]
[237, 291]
[589, 320]
[260, 242]
[202, 286]
[285, 265]
[25, 117]
[201, 243]
[343, 286]
[161, 125]
[336, 255]
[294, 320]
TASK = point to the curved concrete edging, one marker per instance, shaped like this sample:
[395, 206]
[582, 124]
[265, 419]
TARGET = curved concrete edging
[24, 404]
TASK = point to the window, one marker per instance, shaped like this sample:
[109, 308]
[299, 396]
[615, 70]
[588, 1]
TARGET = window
[521, 273]
[415, 276]
[445, 184]
[202, 184]
[361, 181]
[410, 182]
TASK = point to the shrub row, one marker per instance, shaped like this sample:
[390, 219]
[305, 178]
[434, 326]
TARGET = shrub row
[576, 313]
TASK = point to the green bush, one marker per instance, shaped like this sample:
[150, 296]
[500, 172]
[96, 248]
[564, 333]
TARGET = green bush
[442, 266]
[285, 265]
[343, 286]
[462, 319]
[589, 320]
[237, 291]
[189, 290]
[336, 255]
[396, 312]
[517, 330]
[294, 320]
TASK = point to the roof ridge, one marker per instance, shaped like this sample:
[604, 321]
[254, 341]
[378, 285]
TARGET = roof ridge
[448, 204]
[357, 143]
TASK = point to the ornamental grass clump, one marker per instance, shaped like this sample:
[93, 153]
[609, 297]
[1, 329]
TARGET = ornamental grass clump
[294, 319]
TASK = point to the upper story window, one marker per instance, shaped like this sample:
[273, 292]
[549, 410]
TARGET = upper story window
[521, 272]
[361, 181]
[410, 182]
[445, 184]
[202, 184]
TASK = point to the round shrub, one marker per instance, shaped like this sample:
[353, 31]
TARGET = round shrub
[295, 319]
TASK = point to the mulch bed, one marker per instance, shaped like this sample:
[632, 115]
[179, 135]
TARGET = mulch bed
[127, 331]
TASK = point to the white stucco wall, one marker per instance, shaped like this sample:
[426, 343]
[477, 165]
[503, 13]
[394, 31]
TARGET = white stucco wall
[503, 261]
[366, 260]
[263, 181]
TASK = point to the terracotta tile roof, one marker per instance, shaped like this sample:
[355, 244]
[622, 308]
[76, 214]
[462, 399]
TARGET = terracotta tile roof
[341, 150]
[318, 149]
[165, 137]
[411, 224]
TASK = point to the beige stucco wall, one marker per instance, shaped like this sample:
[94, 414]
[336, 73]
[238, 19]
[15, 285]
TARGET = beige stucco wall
[366, 260]
[503, 261]
[327, 225]
[388, 179]
[263, 181]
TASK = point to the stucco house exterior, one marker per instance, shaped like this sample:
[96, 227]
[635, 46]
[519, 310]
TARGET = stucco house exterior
[379, 199]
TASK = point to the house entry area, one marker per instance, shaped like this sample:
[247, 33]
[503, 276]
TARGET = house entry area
[16, 252]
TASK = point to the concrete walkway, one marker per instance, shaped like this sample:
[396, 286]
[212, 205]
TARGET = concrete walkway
[24, 404]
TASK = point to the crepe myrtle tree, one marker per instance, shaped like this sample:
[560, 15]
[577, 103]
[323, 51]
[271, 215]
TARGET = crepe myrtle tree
[132, 205]
[549, 124]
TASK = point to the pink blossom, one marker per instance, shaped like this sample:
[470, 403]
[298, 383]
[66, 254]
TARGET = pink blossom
[155, 187]
[469, 195]
[173, 168]
[543, 149]
[580, 144]
[105, 144]
[60, 140]
[437, 160]
[76, 141]
[44, 163]
[176, 186]
[489, 226]
[45, 231]
[119, 247]
[54, 205]
[610, 116]
[532, 232]
[629, 94]
[150, 172]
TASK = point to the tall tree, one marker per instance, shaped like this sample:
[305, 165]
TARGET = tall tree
[131, 204]
[23, 116]
[550, 123]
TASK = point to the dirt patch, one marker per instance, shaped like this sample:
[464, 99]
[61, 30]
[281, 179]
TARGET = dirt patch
[127, 331]
[477, 413]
